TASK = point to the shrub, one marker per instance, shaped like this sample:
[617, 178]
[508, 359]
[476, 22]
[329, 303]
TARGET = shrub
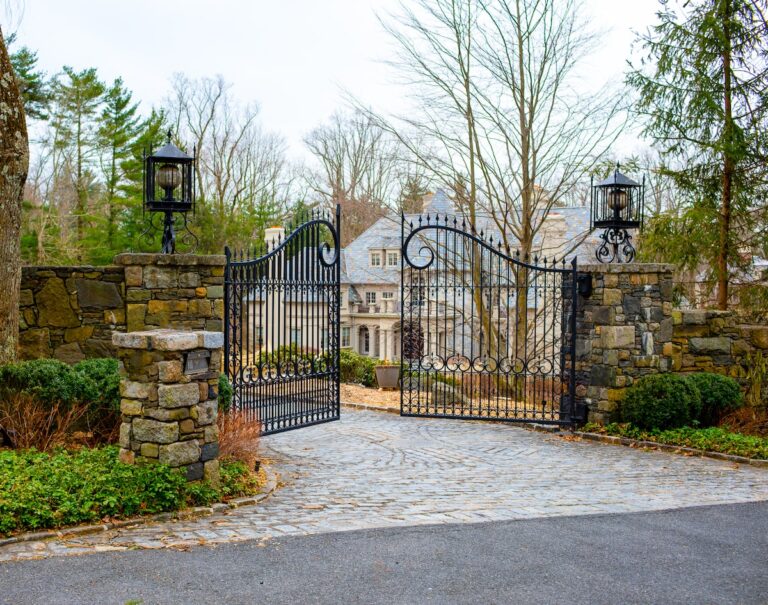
[226, 392]
[357, 368]
[239, 434]
[238, 480]
[660, 401]
[49, 380]
[93, 383]
[719, 395]
[29, 423]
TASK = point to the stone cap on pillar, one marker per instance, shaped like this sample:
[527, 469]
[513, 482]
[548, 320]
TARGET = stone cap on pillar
[170, 260]
[168, 340]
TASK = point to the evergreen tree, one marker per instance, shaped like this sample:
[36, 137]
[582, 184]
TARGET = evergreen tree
[133, 224]
[702, 92]
[77, 100]
[117, 134]
[32, 83]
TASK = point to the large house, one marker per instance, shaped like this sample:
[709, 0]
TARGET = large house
[371, 266]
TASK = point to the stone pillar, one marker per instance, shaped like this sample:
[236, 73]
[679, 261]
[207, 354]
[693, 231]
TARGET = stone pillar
[169, 391]
[622, 329]
[179, 291]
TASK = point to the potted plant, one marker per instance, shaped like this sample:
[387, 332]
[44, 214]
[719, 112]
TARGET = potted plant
[387, 374]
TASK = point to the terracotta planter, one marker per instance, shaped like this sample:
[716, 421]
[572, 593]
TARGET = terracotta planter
[388, 377]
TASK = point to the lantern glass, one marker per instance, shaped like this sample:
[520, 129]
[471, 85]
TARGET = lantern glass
[617, 199]
[168, 177]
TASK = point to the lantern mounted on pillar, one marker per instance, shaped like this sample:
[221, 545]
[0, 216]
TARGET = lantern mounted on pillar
[617, 206]
[169, 187]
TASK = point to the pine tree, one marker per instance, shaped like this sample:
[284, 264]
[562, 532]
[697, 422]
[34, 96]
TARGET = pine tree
[77, 100]
[118, 130]
[702, 92]
[33, 85]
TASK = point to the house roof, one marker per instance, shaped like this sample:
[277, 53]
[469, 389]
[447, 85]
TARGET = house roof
[569, 224]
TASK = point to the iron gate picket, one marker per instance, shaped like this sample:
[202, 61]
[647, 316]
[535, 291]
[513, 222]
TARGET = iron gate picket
[484, 333]
[281, 317]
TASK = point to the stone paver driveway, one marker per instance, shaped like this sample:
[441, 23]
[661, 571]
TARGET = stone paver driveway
[374, 469]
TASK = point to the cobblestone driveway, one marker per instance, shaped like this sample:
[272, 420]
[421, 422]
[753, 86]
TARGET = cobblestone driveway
[374, 469]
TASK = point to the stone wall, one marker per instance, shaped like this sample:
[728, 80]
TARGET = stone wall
[169, 394]
[183, 291]
[627, 328]
[622, 327]
[714, 341]
[71, 313]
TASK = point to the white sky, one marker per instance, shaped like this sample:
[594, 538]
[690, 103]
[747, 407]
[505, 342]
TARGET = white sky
[294, 57]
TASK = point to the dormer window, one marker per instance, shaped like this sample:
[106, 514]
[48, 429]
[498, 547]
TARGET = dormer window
[393, 259]
[370, 298]
[375, 259]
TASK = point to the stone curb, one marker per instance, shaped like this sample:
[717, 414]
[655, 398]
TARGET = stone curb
[679, 449]
[372, 407]
[182, 515]
[529, 426]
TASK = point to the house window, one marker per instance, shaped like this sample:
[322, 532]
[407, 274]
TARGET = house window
[375, 259]
[295, 336]
[345, 340]
[370, 298]
[365, 341]
[387, 295]
[392, 259]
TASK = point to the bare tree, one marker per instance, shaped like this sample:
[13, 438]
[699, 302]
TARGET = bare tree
[14, 163]
[498, 119]
[359, 165]
[242, 170]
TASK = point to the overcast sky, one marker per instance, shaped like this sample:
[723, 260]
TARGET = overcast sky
[294, 57]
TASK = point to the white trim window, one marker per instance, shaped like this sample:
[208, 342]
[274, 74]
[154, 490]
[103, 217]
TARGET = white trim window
[375, 259]
[345, 336]
[393, 259]
[387, 295]
[370, 298]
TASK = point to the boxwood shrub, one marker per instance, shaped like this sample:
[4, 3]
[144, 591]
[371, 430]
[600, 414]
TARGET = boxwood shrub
[661, 401]
[719, 395]
[357, 368]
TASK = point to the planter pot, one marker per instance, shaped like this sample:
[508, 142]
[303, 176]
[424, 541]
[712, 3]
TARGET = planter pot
[388, 377]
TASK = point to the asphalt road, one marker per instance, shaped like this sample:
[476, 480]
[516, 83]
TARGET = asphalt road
[714, 554]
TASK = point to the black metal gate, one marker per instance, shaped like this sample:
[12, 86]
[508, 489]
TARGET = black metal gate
[281, 319]
[484, 333]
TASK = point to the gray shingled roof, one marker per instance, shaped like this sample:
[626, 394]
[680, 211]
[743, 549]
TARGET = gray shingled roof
[385, 234]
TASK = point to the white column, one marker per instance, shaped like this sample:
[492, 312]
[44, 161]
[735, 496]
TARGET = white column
[391, 355]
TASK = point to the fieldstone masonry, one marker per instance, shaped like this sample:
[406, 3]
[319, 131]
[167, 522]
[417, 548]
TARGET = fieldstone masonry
[71, 312]
[627, 328]
[169, 399]
[622, 327]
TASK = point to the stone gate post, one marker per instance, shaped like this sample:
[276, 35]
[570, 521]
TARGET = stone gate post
[622, 327]
[169, 399]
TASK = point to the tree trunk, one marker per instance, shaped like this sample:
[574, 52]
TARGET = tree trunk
[729, 168]
[14, 163]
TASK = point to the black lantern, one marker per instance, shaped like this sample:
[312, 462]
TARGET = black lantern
[169, 187]
[617, 206]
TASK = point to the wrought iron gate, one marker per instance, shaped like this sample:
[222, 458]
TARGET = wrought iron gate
[484, 333]
[281, 319]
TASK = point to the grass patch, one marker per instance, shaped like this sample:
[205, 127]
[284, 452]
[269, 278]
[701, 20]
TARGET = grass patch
[713, 439]
[52, 490]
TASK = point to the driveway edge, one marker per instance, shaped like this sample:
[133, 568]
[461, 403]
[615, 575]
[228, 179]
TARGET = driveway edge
[679, 449]
[181, 515]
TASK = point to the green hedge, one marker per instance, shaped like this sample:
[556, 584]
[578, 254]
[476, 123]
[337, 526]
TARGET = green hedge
[719, 395]
[660, 401]
[357, 368]
[95, 382]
